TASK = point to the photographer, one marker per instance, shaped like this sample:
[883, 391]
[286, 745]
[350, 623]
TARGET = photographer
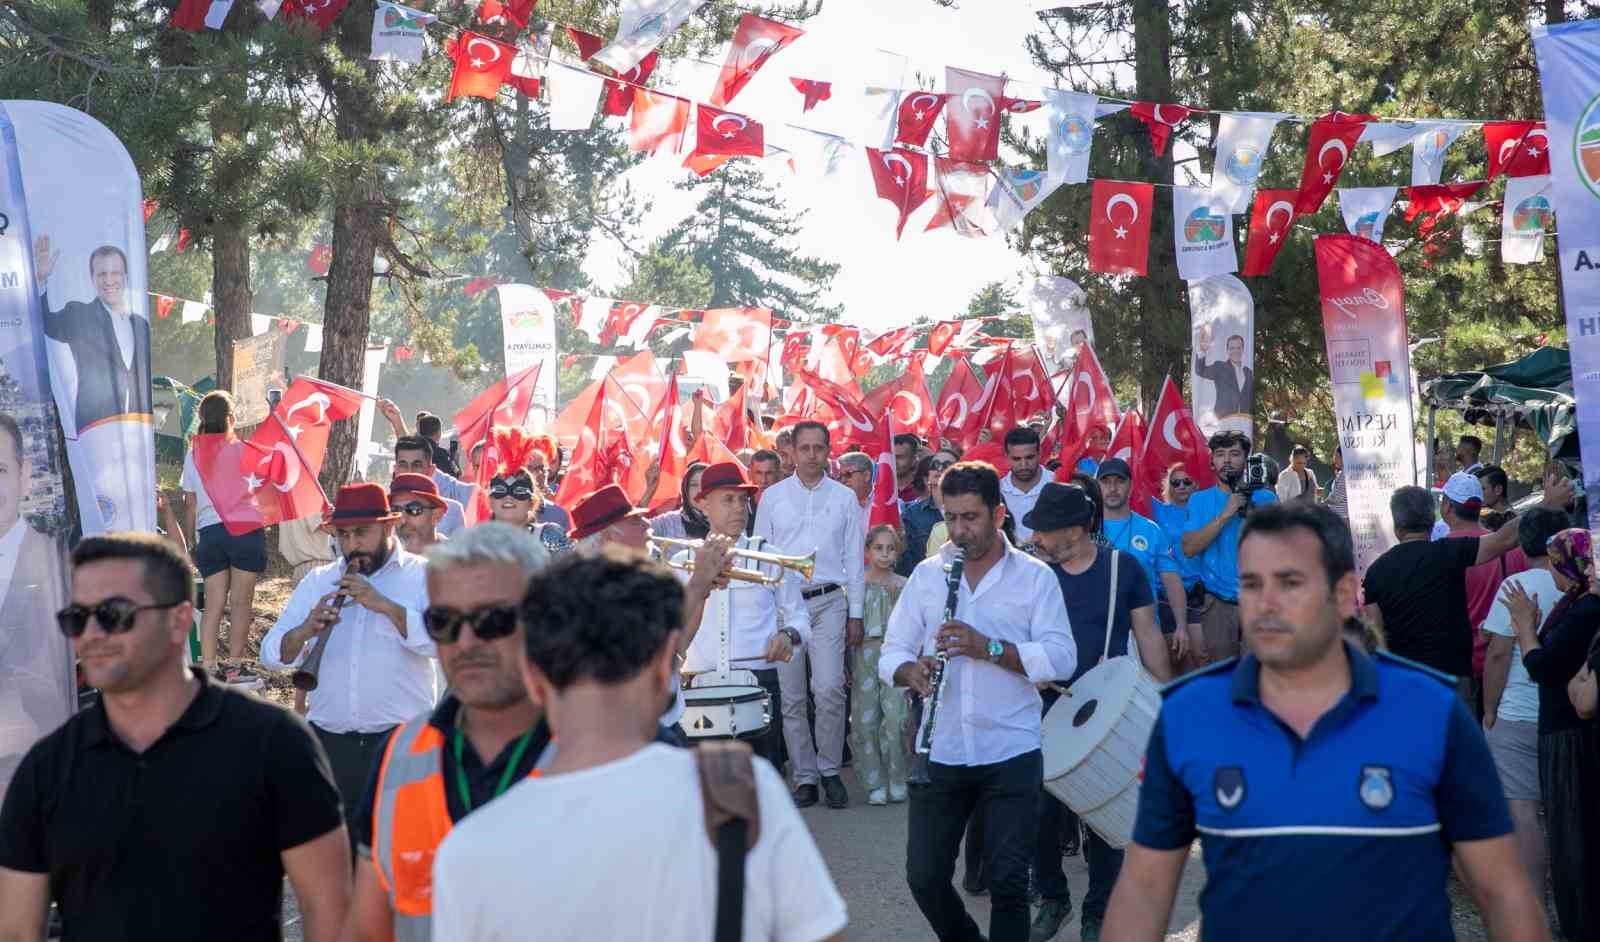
[1211, 538]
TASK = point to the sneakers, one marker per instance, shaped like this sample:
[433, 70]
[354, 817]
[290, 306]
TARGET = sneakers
[897, 793]
[878, 796]
[833, 790]
[242, 675]
[805, 796]
[1052, 914]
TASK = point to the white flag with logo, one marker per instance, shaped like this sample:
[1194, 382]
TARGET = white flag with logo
[1015, 194]
[1202, 234]
[1523, 222]
[574, 96]
[1242, 141]
[642, 26]
[399, 33]
[1428, 141]
[1366, 209]
[528, 327]
[1071, 135]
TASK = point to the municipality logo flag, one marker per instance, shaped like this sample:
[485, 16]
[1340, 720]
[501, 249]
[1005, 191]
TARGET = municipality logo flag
[399, 34]
[1242, 141]
[1204, 234]
[1365, 209]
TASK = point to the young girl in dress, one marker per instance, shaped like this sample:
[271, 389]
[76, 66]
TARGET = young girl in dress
[878, 710]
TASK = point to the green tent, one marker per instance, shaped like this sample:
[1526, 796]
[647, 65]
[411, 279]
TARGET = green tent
[1533, 393]
[173, 431]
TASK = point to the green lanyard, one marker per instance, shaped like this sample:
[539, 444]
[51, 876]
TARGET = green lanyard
[505, 777]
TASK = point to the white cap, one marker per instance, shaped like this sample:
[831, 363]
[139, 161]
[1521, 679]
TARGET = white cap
[1463, 487]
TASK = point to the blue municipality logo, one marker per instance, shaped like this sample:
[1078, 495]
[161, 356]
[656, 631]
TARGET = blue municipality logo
[1228, 786]
[1377, 789]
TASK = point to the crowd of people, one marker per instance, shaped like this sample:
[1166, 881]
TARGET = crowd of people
[473, 693]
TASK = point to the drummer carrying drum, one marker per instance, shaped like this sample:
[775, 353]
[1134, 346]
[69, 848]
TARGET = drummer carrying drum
[755, 642]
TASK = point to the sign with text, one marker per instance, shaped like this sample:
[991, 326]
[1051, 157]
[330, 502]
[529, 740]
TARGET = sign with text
[257, 367]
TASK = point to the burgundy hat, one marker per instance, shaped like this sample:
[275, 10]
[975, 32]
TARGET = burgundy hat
[361, 503]
[418, 485]
[601, 509]
[726, 475]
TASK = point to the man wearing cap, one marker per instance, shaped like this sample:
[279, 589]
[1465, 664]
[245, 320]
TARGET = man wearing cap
[748, 610]
[1060, 522]
[415, 497]
[1144, 540]
[367, 608]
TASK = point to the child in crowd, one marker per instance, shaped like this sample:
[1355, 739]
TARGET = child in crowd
[878, 711]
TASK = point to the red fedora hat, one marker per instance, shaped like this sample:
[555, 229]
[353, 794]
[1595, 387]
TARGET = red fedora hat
[601, 509]
[361, 503]
[726, 475]
[419, 486]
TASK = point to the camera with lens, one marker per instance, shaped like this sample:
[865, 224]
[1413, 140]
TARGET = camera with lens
[1260, 472]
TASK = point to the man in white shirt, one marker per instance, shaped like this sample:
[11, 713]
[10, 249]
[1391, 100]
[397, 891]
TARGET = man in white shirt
[1296, 480]
[412, 455]
[748, 610]
[613, 809]
[1010, 632]
[801, 513]
[1021, 488]
[367, 609]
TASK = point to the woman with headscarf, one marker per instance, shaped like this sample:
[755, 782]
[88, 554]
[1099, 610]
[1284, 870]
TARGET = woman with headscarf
[1553, 651]
[687, 522]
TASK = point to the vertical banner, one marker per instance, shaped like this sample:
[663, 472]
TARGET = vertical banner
[1364, 321]
[528, 321]
[36, 682]
[86, 222]
[1060, 313]
[1222, 380]
[1569, 70]
[257, 367]
[372, 368]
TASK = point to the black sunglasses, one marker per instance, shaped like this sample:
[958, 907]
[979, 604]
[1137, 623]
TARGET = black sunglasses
[940, 465]
[518, 491]
[1182, 482]
[115, 615]
[414, 508]
[444, 624]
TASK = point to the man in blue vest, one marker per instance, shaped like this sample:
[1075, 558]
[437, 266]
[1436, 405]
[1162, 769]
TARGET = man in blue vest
[1329, 789]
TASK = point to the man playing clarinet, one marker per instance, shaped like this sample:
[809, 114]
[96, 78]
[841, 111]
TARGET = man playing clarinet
[1005, 632]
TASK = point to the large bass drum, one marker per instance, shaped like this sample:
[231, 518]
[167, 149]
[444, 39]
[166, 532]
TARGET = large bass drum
[725, 706]
[1094, 738]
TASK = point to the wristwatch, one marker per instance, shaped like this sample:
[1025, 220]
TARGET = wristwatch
[792, 634]
[997, 650]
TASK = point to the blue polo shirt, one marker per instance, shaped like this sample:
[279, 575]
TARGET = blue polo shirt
[1144, 540]
[1346, 834]
[1219, 564]
[1173, 519]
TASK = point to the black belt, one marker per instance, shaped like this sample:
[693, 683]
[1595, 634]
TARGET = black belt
[1233, 602]
[821, 590]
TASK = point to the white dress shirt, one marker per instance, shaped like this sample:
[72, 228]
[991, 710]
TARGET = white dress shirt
[753, 615]
[122, 325]
[452, 488]
[825, 518]
[1019, 502]
[371, 677]
[987, 714]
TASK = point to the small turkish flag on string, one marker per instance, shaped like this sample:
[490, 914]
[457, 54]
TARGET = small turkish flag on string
[184, 238]
[320, 259]
[884, 508]
[1517, 148]
[322, 13]
[1327, 151]
[735, 333]
[1437, 201]
[164, 306]
[658, 123]
[756, 40]
[1160, 119]
[918, 112]
[727, 134]
[588, 43]
[506, 11]
[150, 207]
[972, 120]
[894, 343]
[1020, 105]
[958, 399]
[813, 90]
[1270, 220]
[941, 336]
[620, 95]
[482, 65]
[1119, 227]
[901, 177]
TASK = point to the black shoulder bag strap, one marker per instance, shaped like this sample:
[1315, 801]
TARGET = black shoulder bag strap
[733, 823]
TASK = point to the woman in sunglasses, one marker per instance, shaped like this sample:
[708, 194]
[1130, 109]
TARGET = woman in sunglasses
[514, 496]
[1171, 512]
[938, 534]
[920, 517]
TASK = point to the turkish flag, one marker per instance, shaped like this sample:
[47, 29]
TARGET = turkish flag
[963, 191]
[1127, 443]
[164, 306]
[482, 65]
[666, 442]
[278, 467]
[995, 409]
[588, 43]
[321, 13]
[893, 343]
[1270, 219]
[1437, 201]
[813, 90]
[736, 333]
[1091, 405]
[1327, 151]
[507, 402]
[658, 122]
[906, 396]
[513, 11]
[709, 449]
[603, 454]
[620, 322]
[307, 411]
[794, 351]
[834, 360]
[859, 425]
[1119, 227]
[725, 134]
[620, 96]
[320, 259]
[1173, 438]
[222, 465]
[972, 119]
[901, 177]
[189, 15]
[917, 114]
[884, 506]
[639, 384]
[755, 41]
[1031, 391]
[958, 399]
[731, 423]
[1160, 119]
[1020, 105]
[942, 336]
[1517, 148]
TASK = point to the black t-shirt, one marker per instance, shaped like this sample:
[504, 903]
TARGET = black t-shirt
[181, 841]
[1420, 586]
[1563, 646]
[1086, 595]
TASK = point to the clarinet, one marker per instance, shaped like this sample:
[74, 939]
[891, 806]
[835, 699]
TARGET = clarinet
[936, 678]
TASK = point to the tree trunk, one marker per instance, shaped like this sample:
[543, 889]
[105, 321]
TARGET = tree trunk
[1164, 324]
[230, 245]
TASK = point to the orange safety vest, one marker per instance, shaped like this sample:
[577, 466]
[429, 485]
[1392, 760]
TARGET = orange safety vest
[410, 820]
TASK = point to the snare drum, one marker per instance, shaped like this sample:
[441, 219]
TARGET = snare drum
[723, 710]
[1094, 739]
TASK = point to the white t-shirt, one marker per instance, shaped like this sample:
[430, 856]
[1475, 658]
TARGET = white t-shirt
[1520, 702]
[619, 852]
[204, 514]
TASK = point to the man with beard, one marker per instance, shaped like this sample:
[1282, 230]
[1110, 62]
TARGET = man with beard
[367, 608]
[411, 456]
[483, 736]
[415, 497]
[1021, 488]
[1211, 536]
[1344, 782]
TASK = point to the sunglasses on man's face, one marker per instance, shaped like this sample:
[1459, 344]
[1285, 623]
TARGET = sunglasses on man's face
[115, 615]
[518, 491]
[488, 624]
[941, 465]
[415, 508]
[1182, 482]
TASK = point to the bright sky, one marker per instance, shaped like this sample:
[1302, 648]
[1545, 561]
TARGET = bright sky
[881, 283]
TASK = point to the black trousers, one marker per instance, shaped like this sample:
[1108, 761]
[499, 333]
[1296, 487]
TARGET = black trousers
[352, 757]
[769, 745]
[1105, 861]
[1006, 794]
[1569, 778]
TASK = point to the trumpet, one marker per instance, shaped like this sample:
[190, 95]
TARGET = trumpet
[804, 565]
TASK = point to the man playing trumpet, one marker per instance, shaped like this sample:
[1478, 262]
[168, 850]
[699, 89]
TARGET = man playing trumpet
[755, 641]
